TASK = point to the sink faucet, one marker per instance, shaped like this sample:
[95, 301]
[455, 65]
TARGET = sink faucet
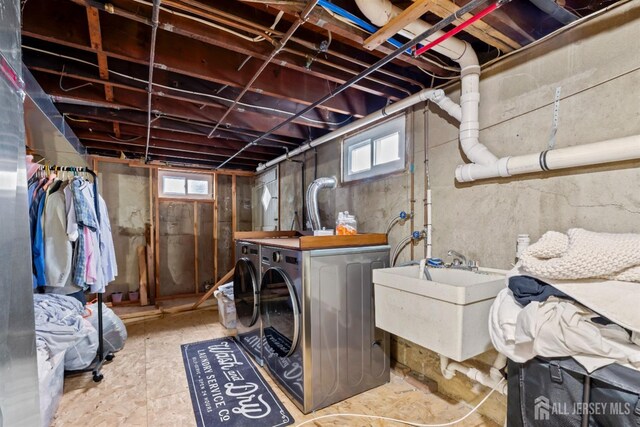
[461, 259]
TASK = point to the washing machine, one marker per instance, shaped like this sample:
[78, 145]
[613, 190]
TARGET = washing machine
[246, 296]
[319, 340]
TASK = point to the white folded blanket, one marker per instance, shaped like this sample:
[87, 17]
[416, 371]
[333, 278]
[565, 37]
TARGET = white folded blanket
[584, 254]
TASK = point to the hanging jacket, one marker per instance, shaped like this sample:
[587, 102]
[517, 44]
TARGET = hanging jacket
[56, 243]
[37, 244]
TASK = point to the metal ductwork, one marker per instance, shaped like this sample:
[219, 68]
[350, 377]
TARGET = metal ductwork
[312, 199]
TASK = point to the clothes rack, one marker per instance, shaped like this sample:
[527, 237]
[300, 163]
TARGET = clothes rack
[96, 365]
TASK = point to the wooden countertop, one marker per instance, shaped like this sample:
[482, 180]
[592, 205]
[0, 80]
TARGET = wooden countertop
[306, 243]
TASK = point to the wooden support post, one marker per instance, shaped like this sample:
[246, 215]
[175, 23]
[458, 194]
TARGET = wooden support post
[234, 214]
[156, 209]
[150, 240]
[142, 268]
[195, 246]
[215, 228]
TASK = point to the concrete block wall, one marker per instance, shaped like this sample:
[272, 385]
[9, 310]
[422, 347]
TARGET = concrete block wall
[597, 67]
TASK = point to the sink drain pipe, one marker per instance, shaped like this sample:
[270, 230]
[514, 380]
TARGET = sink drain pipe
[493, 379]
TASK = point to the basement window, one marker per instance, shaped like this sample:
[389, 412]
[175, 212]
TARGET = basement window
[379, 150]
[185, 185]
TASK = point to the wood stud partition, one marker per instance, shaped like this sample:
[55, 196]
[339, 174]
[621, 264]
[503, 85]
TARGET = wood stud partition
[153, 248]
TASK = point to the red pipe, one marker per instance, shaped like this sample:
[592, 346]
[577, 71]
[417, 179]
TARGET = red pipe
[456, 30]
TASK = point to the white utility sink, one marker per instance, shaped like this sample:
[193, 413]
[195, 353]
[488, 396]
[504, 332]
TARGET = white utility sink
[448, 314]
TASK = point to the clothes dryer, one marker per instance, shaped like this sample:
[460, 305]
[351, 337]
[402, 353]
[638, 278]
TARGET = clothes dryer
[246, 296]
[320, 343]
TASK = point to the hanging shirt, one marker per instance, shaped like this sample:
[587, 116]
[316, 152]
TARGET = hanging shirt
[85, 217]
[107, 250]
[108, 269]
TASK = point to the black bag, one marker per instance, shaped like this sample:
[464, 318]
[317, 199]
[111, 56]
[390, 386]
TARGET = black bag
[560, 393]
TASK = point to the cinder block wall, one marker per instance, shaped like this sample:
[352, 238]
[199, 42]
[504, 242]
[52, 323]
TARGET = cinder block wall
[597, 66]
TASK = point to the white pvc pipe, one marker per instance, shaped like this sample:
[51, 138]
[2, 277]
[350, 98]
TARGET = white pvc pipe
[491, 380]
[429, 225]
[613, 150]
[401, 105]
[380, 12]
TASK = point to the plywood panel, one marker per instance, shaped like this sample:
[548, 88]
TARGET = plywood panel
[177, 248]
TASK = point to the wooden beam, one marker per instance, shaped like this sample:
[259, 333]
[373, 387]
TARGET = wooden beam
[391, 28]
[138, 149]
[189, 140]
[195, 246]
[156, 234]
[49, 20]
[234, 213]
[198, 31]
[142, 273]
[480, 30]
[138, 164]
[95, 35]
[168, 106]
[215, 226]
[183, 147]
[210, 292]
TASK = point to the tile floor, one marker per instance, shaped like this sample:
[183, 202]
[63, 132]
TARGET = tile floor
[146, 385]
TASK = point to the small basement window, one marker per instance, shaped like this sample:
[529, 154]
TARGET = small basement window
[185, 185]
[379, 150]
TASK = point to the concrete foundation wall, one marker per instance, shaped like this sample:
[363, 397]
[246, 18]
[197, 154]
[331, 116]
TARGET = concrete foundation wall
[126, 193]
[597, 66]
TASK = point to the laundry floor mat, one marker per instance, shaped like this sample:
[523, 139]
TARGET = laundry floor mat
[226, 388]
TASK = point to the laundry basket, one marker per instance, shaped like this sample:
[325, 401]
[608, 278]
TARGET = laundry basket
[226, 307]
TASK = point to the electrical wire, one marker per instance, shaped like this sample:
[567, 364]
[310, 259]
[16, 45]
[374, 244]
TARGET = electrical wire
[67, 116]
[207, 95]
[256, 39]
[435, 61]
[438, 77]
[376, 417]
[135, 138]
[71, 88]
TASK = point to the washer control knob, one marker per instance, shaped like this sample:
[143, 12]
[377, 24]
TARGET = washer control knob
[245, 250]
[276, 256]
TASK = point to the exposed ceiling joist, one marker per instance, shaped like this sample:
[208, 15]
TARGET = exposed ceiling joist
[95, 35]
[391, 28]
[155, 143]
[188, 57]
[480, 30]
[190, 140]
[163, 106]
[137, 118]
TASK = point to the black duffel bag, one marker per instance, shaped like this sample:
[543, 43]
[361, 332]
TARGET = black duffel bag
[560, 393]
